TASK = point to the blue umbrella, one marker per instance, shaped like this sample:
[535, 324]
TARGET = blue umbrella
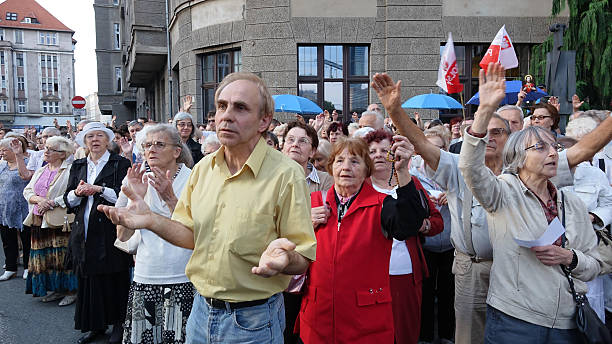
[432, 101]
[295, 104]
[513, 88]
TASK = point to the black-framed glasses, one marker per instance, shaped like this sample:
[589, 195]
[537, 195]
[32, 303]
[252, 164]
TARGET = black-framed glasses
[542, 146]
[184, 124]
[496, 132]
[159, 145]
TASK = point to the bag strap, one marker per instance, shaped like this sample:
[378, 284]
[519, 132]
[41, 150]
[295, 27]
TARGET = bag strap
[564, 268]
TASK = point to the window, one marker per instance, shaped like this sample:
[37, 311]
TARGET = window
[3, 105]
[20, 83]
[214, 68]
[21, 106]
[1, 58]
[335, 76]
[47, 38]
[11, 16]
[3, 81]
[118, 80]
[116, 2]
[50, 107]
[49, 76]
[18, 36]
[468, 59]
[19, 59]
[1, 34]
[117, 36]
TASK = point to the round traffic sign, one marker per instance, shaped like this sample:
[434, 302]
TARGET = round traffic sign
[78, 102]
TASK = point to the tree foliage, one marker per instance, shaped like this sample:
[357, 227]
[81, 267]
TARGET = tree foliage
[589, 33]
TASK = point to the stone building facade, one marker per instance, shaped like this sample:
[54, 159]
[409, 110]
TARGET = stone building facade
[36, 65]
[324, 50]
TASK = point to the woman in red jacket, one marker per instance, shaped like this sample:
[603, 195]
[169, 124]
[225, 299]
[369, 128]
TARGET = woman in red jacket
[348, 298]
[407, 266]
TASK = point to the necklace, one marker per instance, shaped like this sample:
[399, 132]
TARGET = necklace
[391, 159]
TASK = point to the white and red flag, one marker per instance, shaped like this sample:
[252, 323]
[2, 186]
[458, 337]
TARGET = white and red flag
[448, 74]
[501, 50]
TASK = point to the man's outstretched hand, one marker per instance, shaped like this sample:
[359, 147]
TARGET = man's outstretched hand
[136, 215]
[275, 258]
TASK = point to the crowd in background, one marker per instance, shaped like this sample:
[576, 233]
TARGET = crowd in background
[436, 256]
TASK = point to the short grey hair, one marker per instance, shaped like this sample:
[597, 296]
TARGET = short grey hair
[195, 132]
[506, 123]
[61, 144]
[580, 126]
[174, 136]
[51, 131]
[6, 142]
[212, 138]
[379, 117]
[597, 115]
[514, 153]
[511, 107]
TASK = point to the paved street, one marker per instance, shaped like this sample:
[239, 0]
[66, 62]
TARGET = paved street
[24, 319]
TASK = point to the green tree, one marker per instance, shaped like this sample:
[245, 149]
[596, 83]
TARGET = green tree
[589, 33]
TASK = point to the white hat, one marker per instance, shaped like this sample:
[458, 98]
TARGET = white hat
[93, 126]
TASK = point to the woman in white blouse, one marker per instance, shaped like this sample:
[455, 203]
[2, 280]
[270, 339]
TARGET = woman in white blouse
[161, 295]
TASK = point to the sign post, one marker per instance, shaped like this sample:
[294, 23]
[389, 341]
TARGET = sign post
[78, 104]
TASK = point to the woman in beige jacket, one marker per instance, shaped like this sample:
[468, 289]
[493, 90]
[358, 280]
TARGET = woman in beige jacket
[47, 216]
[529, 298]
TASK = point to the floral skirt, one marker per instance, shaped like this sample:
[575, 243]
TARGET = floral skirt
[157, 313]
[46, 268]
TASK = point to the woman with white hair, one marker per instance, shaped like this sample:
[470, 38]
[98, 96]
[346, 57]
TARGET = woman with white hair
[103, 271]
[186, 127]
[13, 207]
[49, 239]
[529, 298]
[211, 144]
[161, 295]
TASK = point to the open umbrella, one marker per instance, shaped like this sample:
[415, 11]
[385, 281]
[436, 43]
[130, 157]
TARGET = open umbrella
[295, 104]
[513, 87]
[433, 101]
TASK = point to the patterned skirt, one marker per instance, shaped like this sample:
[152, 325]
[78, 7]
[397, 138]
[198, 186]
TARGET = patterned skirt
[46, 268]
[157, 313]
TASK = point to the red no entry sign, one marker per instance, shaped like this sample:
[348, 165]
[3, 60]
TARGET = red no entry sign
[78, 102]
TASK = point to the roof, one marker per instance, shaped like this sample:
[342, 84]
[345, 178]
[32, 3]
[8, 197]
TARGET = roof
[30, 9]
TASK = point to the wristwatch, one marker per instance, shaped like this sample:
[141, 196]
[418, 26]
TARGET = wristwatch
[574, 262]
[102, 190]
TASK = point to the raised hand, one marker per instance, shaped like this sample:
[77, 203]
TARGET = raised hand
[554, 101]
[134, 179]
[16, 147]
[126, 145]
[136, 215]
[319, 120]
[388, 92]
[334, 116]
[403, 151]
[187, 103]
[521, 98]
[327, 115]
[576, 103]
[275, 258]
[492, 86]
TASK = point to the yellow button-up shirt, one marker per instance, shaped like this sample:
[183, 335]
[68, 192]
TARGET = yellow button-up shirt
[235, 217]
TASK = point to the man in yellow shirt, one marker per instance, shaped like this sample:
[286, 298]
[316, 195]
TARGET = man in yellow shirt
[252, 231]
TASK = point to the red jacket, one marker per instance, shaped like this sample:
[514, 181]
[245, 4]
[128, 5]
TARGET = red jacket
[348, 298]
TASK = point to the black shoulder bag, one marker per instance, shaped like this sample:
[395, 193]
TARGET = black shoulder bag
[592, 329]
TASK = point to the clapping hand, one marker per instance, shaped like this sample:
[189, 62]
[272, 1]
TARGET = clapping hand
[135, 180]
[162, 182]
[85, 189]
[275, 258]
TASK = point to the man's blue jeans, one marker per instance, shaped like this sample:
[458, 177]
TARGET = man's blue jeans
[504, 329]
[258, 324]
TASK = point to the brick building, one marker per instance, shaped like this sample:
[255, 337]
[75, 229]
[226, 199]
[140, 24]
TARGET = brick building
[323, 50]
[36, 65]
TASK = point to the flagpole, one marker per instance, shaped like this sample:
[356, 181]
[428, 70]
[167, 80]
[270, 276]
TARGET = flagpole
[462, 104]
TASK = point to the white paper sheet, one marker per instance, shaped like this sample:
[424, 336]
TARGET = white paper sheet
[553, 232]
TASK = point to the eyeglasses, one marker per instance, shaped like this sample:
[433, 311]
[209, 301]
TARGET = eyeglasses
[302, 141]
[184, 125]
[53, 150]
[159, 145]
[545, 146]
[540, 117]
[211, 120]
[496, 132]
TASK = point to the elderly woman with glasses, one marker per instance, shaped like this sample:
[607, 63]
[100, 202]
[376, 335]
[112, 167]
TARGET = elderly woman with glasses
[47, 216]
[185, 125]
[348, 297]
[13, 207]
[529, 299]
[545, 116]
[161, 295]
[103, 271]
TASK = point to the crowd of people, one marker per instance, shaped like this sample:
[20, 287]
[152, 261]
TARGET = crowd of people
[381, 229]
